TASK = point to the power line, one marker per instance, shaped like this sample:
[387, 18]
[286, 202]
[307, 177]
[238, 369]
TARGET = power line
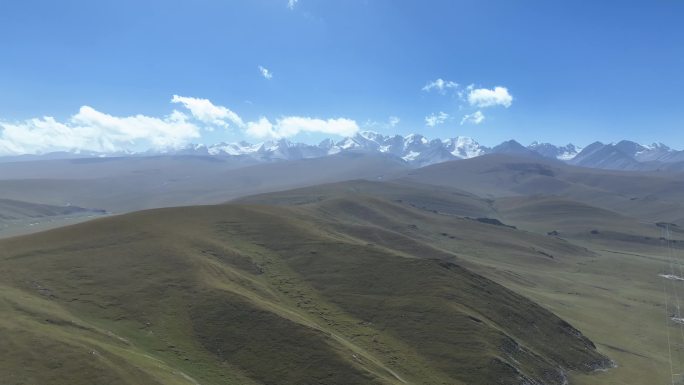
[677, 316]
[667, 329]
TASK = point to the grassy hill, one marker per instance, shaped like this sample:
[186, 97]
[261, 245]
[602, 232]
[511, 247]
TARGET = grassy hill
[599, 269]
[543, 214]
[347, 290]
[427, 197]
[646, 195]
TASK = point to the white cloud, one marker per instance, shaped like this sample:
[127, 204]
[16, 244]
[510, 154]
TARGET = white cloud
[440, 85]
[291, 3]
[268, 75]
[293, 125]
[208, 113]
[92, 130]
[261, 129]
[483, 97]
[436, 119]
[391, 122]
[476, 117]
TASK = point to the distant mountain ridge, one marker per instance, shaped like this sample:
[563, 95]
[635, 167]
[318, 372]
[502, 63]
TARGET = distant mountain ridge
[628, 155]
[418, 151]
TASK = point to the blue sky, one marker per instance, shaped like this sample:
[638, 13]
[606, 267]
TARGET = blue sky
[575, 71]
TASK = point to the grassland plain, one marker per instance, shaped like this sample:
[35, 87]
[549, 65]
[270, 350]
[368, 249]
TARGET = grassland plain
[19, 218]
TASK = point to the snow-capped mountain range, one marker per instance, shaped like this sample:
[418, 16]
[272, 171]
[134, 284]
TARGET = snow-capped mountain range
[415, 149]
[418, 151]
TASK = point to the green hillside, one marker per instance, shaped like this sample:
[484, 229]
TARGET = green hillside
[345, 291]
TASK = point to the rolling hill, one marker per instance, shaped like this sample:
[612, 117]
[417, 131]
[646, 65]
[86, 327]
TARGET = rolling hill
[543, 214]
[347, 290]
[650, 196]
[595, 267]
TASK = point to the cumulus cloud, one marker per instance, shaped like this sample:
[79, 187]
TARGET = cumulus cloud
[483, 97]
[291, 3]
[436, 119]
[476, 117]
[268, 75]
[92, 130]
[206, 112]
[440, 85]
[393, 121]
[293, 125]
[262, 128]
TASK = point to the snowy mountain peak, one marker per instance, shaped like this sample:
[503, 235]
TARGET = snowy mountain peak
[464, 147]
[549, 150]
[371, 135]
[415, 138]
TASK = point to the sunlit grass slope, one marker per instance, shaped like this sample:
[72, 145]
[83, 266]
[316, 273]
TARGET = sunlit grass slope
[342, 291]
